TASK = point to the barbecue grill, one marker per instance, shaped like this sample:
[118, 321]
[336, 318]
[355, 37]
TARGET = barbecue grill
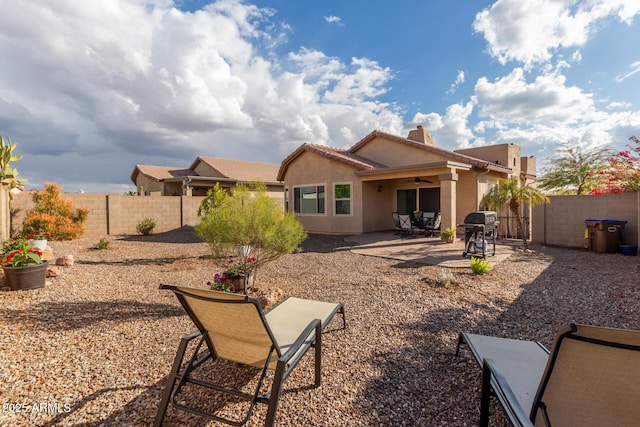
[478, 227]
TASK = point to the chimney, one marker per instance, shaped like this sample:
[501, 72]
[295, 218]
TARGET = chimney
[421, 135]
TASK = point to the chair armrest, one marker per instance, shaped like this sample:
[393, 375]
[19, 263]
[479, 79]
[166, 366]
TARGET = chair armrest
[492, 375]
[291, 351]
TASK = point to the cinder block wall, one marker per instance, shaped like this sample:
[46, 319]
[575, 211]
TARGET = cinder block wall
[119, 214]
[561, 222]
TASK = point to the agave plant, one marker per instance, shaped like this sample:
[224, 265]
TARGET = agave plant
[8, 174]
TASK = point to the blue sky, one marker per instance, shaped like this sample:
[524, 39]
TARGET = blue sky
[90, 89]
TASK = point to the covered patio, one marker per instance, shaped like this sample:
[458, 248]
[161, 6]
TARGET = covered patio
[422, 249]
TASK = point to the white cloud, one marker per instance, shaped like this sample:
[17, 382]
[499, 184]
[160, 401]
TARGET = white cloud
[531, 31]
[142, 81]
[450, 131]
[333, 19]
[635, 69]
[459, 80]
[545, 100]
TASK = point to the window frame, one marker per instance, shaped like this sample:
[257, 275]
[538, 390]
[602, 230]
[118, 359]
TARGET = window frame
[298, 205]
[336, 199]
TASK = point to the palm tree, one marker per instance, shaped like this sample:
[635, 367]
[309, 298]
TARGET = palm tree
[510, 192]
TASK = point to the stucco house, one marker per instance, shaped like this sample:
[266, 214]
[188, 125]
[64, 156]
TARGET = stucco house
[203, 174]
[355, 191]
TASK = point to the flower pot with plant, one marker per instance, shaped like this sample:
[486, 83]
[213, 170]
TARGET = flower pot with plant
[23, 265]
[236, 277]
[39, 240]
[448, 234]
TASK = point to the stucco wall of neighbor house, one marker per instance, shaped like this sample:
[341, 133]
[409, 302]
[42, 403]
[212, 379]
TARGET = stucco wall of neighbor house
[313, 169]
[561, 222]
[146, 185]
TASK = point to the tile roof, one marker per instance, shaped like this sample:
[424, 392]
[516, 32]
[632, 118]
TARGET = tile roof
[241, 170]
[332, 153]
[431, 148]
[159, 173]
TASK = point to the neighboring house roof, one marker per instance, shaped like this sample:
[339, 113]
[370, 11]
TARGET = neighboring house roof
[351, 157]
[159, 173]
[240, 170]
[227, 169]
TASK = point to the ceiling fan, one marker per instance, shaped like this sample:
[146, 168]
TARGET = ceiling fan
[418, 180]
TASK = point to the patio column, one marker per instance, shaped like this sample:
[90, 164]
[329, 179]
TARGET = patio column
[448, 200]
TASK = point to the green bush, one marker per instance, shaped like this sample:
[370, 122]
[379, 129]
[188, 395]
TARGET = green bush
[102, 244]
[480, 265]
[146, 226]
[248, 217]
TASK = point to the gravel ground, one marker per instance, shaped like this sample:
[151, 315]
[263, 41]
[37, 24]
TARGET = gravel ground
[93, 347]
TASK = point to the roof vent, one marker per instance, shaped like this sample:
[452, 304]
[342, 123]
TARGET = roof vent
[421, 135]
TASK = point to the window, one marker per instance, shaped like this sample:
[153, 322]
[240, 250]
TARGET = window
[308, 199]
[342, 197]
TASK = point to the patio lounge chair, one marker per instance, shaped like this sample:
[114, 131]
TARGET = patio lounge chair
[590, 378]
[233, 327]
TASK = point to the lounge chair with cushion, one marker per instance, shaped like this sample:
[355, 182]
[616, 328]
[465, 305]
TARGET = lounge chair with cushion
[591, 377]
[233, 327]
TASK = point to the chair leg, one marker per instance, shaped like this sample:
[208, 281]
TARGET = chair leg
[171, 381]
[460, 341]
[485, 398]
[274, 395]
[318, 355]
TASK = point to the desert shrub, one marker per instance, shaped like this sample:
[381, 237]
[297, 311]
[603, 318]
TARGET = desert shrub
[445, 277]
[55, 215]
[146, 226]
[480, 265]
[249, 218]
[102, 244]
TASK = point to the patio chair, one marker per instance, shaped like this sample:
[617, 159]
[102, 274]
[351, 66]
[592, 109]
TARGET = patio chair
[396, 221]
[233, 327]
[590, 378]
[406, 225]
[432, 224]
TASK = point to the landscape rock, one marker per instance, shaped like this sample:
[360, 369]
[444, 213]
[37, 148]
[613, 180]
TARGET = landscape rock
[65, 261]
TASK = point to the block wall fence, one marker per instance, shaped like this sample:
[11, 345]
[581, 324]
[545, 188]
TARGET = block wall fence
[559, 223]
[113, 214]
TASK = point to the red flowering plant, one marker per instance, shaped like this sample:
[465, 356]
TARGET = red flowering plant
[19, 253]
[39, 235]
[226, 282]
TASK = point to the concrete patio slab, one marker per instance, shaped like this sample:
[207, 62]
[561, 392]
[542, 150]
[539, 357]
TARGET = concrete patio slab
[425, 250]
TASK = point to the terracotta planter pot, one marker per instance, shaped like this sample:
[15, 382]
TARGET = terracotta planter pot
[27, 277]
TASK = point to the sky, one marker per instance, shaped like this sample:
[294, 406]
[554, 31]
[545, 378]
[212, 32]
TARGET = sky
[90, 89]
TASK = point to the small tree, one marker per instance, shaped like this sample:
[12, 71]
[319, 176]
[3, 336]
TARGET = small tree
[510, 192]
[571, 171]
[248, 217]
[55, 215]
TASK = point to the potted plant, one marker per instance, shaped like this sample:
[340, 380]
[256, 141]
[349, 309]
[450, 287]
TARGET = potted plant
[237, 276]
[23, 265]
[448, 234]
[39, 239]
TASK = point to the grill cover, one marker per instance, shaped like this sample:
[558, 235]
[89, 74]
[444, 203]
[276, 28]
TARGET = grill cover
[481, 217]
